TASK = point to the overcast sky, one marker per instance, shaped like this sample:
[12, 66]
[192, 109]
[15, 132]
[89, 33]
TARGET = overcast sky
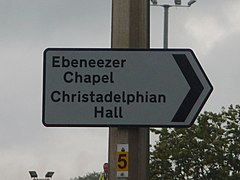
[27, 27]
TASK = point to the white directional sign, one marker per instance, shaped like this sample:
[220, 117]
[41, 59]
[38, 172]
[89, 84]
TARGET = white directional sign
[122, 87]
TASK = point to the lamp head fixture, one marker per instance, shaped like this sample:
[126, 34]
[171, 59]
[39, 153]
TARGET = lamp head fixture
[33, 174]
[154, 2]
[191, 2]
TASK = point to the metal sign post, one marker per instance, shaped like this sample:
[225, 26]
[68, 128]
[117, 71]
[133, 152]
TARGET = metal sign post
[130, 29]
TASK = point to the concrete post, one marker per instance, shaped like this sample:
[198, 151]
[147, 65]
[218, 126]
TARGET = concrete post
[130, 29]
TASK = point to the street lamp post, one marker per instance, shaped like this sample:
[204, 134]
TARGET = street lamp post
[165, 30]
[166, 10]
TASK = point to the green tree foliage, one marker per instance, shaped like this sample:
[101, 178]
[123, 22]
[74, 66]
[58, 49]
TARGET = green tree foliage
[210, 149]
[88, 176]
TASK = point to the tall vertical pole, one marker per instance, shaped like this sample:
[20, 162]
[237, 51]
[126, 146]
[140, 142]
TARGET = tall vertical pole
[130, 29]
[165, 31]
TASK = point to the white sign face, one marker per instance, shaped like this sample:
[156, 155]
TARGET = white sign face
[122, 87]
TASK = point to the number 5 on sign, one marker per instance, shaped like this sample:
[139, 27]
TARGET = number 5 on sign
[122, 160]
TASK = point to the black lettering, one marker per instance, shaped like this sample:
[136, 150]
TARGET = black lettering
[122, 162]
[73, 97]
[65, 62]
[78, 77]
[55, 61]
[98, 112]
[99, 98]
[108, 62]
[111, 77]
[109, 113]
[92, 95]
[105, 78]
[116, 63]
[152, 98]
[117, 98]
[123, 61]
[62, 61]
[100, 63]
[162, 98]
[85, 98]
[74, 63]
[108, 97]
[118, 112]
[65, 97]
[83, 63]
[55, 96]
[95, 79]
[146, 97]
[92, 63]
[124, 97]
[87, 78]
[130, 98]
[139, 97]
[67, 77]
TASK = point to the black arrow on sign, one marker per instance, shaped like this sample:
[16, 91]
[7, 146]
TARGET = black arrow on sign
[195, 91]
